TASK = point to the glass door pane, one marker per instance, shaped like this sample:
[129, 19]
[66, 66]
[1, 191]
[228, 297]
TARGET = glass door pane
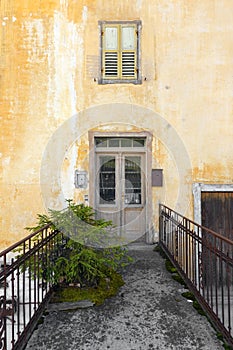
[133, 180]
[107, 180]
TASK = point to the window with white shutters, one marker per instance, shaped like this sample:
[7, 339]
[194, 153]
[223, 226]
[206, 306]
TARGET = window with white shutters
[120, 55]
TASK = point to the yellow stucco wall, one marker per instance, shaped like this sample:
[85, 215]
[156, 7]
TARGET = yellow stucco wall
[48, 71]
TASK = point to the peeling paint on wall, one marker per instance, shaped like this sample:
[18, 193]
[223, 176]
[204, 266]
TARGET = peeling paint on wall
[66, 46]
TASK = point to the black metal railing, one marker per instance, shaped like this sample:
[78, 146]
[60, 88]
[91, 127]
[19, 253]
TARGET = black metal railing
[204, 259]
[25, 287]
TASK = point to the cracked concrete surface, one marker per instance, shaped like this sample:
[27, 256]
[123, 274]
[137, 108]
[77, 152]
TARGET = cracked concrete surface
[148, 313]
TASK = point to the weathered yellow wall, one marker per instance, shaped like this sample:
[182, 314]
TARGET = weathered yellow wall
[49, 66]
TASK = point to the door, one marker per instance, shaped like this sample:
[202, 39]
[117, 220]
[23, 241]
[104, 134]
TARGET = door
[217, 212]
[217, 215]
[120, 192]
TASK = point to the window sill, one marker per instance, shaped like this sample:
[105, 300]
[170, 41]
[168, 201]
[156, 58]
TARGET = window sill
[119, 81]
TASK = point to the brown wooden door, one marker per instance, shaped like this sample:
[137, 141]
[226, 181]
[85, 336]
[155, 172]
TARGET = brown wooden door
[217, 215]
[217, 212]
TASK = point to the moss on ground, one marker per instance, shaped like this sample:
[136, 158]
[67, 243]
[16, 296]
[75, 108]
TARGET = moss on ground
[179, 279]
[225, 345]
[188, 295]
[159, 250]
[170, 267]
[106, 288]
[196, 305]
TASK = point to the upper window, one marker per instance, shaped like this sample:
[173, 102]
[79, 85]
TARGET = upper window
[120, 54]
[131, 142]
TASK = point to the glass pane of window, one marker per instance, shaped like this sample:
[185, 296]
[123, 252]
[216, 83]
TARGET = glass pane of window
[111, 38]
[119, 142]
[101, 142]
[113, 142]
[127, 40]
[126, 142]
[133, 186]
[138, 142]
[107, 178]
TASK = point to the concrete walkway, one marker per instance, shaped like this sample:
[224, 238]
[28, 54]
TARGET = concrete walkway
[148, 313]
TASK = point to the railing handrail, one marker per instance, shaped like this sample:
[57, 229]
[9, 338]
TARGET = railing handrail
[26, 238]
[204, 259]
[25, 287]
[217, 235]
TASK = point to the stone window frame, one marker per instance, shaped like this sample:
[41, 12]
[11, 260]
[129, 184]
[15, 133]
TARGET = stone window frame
[138, 78]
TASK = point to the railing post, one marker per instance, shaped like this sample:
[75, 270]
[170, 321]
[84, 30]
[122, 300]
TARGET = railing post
[160, 224]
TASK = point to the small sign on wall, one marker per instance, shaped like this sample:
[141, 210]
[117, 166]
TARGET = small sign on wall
[157, 177]
[80, 179]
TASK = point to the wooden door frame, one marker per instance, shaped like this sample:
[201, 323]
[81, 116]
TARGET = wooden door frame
[148, 166]
[198, 188]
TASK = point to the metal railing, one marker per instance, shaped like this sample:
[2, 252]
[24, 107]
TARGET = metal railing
[24, 285]
[204, 259]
